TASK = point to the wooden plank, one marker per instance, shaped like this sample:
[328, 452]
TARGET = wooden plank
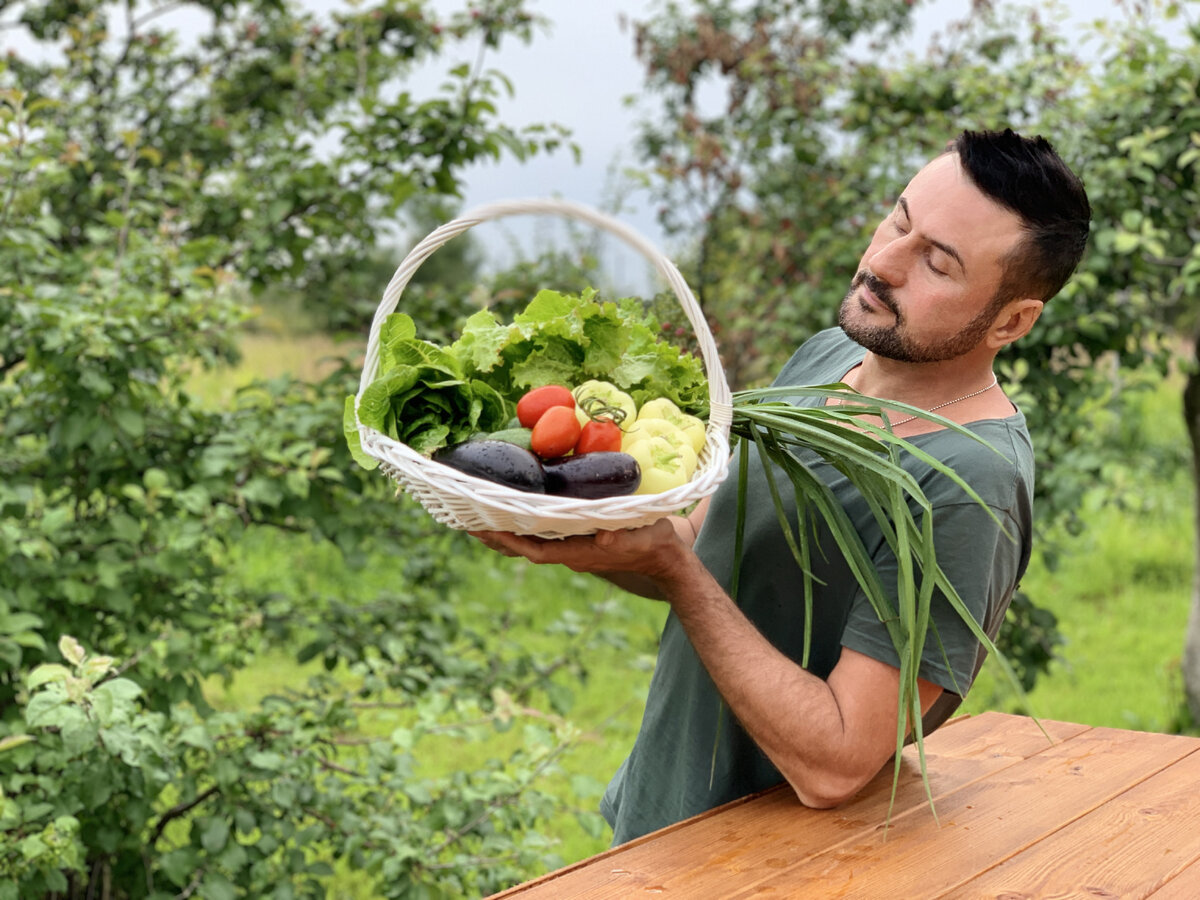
[983, 823]
[1185, 885]
[773, 829]
[1126, 848]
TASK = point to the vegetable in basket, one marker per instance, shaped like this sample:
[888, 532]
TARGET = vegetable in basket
[569, 339]
[662, 463]
[428, 397]
[422, 397]
[555, 433]
[663, 409]
[598, 436]
[593, 476]
[595, 394]
[535, 403]
[499, 461]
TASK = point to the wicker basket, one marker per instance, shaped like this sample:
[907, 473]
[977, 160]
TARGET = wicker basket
[466, 502]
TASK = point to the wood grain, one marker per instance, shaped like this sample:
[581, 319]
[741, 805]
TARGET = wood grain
[1184, 885]
[1126, 848]
[983, 823]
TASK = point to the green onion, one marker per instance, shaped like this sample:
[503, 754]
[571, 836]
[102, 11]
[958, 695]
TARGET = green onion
[868, 455]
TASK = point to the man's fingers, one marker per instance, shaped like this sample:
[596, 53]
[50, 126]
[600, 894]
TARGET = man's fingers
[492, 540]
[605, 538]
[511, 544]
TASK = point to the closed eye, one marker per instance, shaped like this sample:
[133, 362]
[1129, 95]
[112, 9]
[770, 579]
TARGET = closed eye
[935, 246]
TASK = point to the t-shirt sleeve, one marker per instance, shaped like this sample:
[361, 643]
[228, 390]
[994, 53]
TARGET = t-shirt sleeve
[982, 561]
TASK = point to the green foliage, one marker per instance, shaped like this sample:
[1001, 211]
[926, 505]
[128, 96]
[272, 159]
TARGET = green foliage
[1119, 591]
[151, 181]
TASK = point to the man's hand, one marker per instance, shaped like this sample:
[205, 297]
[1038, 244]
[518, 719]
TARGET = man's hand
[654, 552]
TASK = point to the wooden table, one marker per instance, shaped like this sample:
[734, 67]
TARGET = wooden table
[1097, 813]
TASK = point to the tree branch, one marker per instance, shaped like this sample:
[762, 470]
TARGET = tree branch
[191, 888]
[178, 810]
[330, 766]
[155, 13]
[136, 658]
[18, 147]
[8, 365]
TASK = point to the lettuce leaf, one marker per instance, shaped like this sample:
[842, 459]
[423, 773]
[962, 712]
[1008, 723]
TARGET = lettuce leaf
[421, 396]
[566, 338]
[652, 368]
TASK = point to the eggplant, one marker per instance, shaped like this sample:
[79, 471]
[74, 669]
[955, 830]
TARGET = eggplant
[497, 461]
[592, 476]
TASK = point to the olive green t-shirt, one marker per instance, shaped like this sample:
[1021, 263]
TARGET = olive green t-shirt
[666, 777]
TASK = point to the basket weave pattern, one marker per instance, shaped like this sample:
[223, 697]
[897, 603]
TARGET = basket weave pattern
[469, 503]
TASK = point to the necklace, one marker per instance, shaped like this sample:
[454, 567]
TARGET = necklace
[995, 381]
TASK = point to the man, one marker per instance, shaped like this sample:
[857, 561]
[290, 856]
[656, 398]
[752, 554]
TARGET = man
[979, 240]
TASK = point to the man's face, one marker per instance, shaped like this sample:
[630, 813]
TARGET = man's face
[924, 289]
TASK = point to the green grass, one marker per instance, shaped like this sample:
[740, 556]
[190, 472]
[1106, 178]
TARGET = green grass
[1121, 595]
[1121, 599]
[268, 351]
[606, 707]
[1122, 589]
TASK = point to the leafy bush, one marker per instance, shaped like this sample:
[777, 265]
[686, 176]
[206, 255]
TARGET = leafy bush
[150, 183]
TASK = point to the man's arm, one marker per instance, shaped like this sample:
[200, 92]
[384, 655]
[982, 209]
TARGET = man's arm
[827, 737]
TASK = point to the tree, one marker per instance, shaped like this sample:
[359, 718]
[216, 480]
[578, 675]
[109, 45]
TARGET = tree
[154, 172]
[1145, 130]
[811, 141]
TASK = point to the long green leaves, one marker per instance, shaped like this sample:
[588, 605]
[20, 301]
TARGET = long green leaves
[868, 455]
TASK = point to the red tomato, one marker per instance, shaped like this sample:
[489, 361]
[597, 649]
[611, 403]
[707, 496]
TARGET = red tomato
[599, 434]
[534, 404]
[555, 433]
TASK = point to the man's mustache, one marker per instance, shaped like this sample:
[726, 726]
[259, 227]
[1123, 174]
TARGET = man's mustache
[881, 289]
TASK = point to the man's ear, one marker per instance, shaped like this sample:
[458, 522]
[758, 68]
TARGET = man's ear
[1014, 321]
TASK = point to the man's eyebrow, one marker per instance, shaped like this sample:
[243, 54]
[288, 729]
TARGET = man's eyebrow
[945, 248]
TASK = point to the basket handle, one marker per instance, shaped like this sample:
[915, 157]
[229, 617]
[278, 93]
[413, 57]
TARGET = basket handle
[719, 394]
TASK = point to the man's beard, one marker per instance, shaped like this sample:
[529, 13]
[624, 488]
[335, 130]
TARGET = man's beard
[893, 342]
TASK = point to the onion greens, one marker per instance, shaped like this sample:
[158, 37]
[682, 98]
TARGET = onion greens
[842, 434]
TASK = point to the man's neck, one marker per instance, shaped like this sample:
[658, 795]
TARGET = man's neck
[922, 384]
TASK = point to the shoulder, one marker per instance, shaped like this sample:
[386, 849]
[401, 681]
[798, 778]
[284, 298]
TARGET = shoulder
[995, 458]
[822, 359]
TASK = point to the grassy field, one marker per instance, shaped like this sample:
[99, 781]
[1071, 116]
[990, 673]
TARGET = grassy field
[1121, 592]
[1121, 595]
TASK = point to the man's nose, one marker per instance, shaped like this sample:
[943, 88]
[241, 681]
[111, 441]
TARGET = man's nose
[890, 261]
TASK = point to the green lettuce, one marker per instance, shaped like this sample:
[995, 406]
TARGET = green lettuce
[421, 396]
[567, 339]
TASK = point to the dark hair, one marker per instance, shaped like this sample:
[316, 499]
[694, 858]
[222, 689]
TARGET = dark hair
[1028, 177]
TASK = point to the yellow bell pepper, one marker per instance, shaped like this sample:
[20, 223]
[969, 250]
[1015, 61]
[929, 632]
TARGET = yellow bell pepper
[691, 426]
[648, 429]
[663, 465]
